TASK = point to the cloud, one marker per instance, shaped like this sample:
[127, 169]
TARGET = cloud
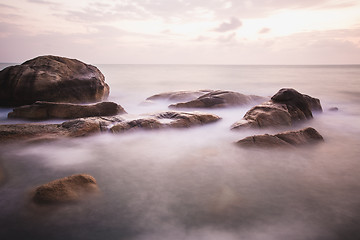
[264, 30]
[227, 38]
[41, 2]
[233, 24]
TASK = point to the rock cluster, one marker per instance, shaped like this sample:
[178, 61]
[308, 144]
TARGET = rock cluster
[285, 107]
[87, 126]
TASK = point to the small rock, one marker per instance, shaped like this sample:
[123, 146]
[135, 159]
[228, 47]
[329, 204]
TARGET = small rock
[286, 139]
[333, 109]
[67, 189]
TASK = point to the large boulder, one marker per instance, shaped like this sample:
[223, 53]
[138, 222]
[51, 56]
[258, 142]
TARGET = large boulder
[48, 110]
[220, 99]
[285, 107]
[168, 119]
[286, 139]
[53, 79]
[68, 189]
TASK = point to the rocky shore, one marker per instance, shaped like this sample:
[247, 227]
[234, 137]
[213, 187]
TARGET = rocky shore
[50, 87]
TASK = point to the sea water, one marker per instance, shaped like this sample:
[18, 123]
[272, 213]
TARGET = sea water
[196, 183]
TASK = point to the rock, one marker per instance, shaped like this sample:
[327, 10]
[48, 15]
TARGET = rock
[178, 95]
[63, 190]
[333, 109]
[286, 139]
[296, 101]
[285, 107]
[219, 99]
[52, 79]
[48, 110]
[40, 132]
[35, 132]
[168, 119]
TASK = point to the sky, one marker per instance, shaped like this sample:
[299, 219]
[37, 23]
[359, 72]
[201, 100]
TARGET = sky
[182, 31]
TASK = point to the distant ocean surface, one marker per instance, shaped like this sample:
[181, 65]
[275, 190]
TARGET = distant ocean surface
[195, 183]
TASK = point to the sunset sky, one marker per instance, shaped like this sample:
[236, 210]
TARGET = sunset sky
[182, 31]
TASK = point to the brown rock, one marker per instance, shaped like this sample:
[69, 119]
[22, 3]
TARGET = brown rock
[67, 189]
[219, 99]
[49, 110]
[52, 79]
[168, 119]
[39, 132]
[286, 139]
[285, 107]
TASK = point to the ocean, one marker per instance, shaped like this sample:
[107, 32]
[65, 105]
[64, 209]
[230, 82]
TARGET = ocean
[196, 184]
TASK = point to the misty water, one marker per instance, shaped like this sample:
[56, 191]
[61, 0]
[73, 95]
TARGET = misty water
[196, 183]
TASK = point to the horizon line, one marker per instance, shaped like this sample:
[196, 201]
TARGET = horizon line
[215, 64]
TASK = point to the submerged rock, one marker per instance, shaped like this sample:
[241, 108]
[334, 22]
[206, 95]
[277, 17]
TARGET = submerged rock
[53, 79]
[168, 119]
[286, 139]
[178, 95]
[49, 110]
[67, 189]
[219, 99]
[285, 107]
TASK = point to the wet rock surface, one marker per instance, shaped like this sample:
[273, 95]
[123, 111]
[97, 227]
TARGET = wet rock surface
[220, 99]
[53, 79]
[286, 139]
[68, 189]
[285, 107]
[49, 110]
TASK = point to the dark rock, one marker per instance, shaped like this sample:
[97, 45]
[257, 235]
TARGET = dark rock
[285, 107]
[286, 139]
[52, 79]
[296, 101]
[333, 109]
[219, 99]
[49, 110]
[68, 189]
[165, 120]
